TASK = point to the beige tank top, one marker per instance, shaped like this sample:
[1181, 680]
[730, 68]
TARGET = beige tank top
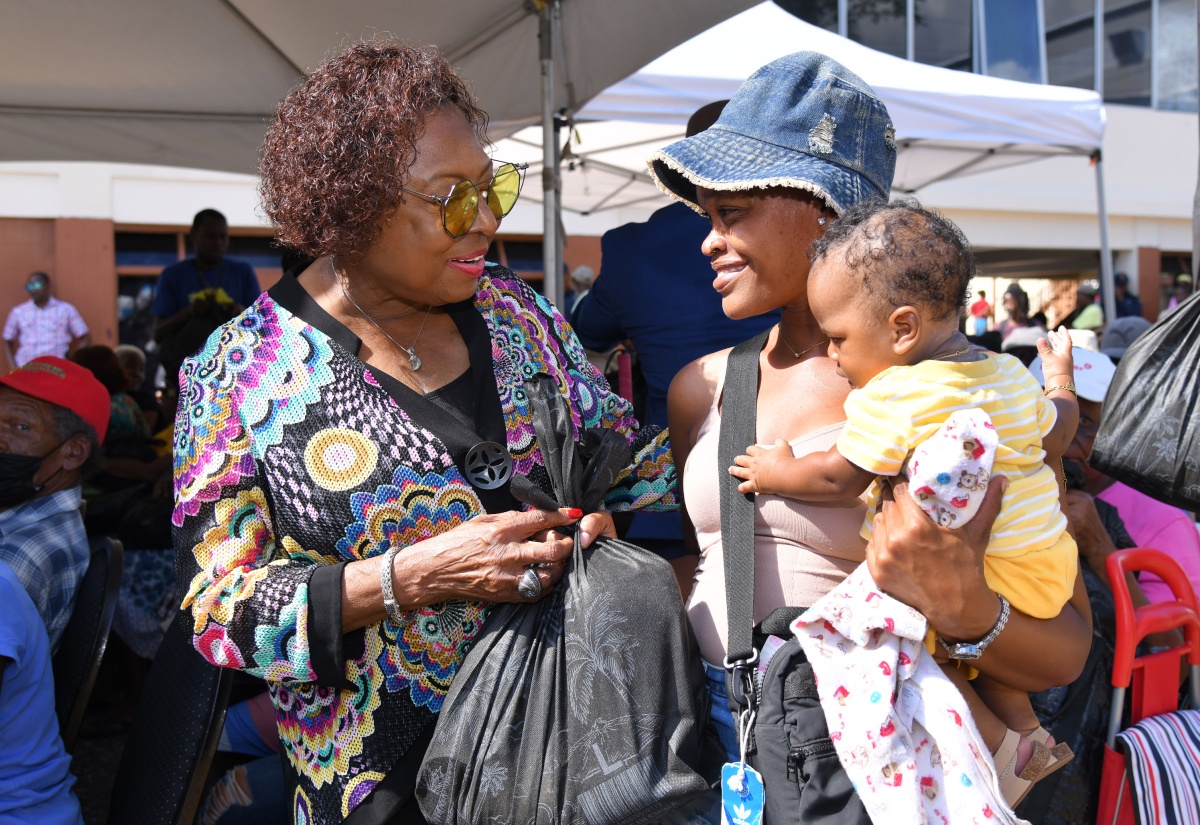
[802, 549]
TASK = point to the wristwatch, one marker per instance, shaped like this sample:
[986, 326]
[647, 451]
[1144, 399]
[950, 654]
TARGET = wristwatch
[973, 650]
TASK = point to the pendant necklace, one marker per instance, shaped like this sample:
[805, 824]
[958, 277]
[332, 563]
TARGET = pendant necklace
[414, 361]
[803, 351]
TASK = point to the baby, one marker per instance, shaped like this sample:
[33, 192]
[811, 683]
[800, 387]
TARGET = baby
[887, 286]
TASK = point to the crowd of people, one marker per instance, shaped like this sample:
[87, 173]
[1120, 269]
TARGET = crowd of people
[332, 489]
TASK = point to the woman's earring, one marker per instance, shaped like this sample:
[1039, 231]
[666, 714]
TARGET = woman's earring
[821, 221]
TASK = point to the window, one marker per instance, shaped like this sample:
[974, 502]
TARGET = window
[1071, 43]
[821, 13]
[1127, 57]
[879, 24]
[943, 33]
[137, 251]
[1175, 53]
[258, 251]
[1011, 40]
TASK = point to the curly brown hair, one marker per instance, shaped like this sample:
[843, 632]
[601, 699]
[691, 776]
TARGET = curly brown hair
[342, 142]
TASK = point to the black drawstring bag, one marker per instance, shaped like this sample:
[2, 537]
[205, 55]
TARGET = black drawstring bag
[588, 706]
[1149, 434]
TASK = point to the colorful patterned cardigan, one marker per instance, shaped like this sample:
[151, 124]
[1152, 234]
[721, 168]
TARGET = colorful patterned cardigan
[291, 459]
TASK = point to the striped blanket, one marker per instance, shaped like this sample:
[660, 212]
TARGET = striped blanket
[1163, 758]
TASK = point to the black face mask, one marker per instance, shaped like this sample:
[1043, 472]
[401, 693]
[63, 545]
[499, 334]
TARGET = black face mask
[16, 477]
[1076, 474]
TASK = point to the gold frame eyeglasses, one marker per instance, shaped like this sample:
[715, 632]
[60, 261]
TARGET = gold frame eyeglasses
[461, 206]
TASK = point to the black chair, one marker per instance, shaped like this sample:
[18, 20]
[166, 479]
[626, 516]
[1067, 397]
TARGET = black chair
[81, 648]
[175, 732]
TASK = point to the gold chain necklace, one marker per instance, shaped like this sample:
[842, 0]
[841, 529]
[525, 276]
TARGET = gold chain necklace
[962, 351]
[793, 349]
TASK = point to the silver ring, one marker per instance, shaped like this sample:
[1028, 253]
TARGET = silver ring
[530, 586]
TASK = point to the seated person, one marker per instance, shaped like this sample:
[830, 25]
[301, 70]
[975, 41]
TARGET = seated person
[1080, 710]
[1021, 343]
[53, 416]
[129, 454]
[1150, 522]
[35, 775]
[132, 501]
[886, 284]
[133, 361]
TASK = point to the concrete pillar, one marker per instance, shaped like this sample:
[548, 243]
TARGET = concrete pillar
[1149, 266]
[85, 273]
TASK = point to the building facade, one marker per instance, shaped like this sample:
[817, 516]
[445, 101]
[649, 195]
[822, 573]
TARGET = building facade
[103, 231]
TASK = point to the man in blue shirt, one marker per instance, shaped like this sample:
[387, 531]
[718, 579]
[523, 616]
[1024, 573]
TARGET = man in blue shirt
[35, 775]
[1128, 305]
[196, 295]
[53, 415]
[655, 289]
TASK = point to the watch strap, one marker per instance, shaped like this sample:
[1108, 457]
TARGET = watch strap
[973, 650]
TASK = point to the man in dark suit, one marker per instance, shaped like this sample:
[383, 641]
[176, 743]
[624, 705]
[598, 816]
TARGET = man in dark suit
[655, 289]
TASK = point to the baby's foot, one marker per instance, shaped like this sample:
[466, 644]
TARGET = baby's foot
[1027, 746]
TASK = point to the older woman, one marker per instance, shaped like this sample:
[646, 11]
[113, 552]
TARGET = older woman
[344, 447]
[800, 141]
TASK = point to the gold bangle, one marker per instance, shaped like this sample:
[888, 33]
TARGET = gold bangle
[1069, 387]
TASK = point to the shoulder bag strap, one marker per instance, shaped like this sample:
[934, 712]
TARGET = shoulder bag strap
[739, 411]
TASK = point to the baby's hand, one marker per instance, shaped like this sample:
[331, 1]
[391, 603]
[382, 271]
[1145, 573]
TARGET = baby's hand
[1057, 361]
[755, 467]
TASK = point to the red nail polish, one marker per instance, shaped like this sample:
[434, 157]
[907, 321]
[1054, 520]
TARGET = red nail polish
[575, 512]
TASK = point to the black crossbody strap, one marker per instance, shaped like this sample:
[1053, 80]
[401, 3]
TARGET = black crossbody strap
[739, 413]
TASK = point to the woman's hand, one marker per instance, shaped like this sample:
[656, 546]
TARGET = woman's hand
[485, 558]
[481, 560]
[596, 524]
[940, 573]
[934, 569]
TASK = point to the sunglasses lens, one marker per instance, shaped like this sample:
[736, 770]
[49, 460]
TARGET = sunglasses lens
[506, 186]
[460, 210]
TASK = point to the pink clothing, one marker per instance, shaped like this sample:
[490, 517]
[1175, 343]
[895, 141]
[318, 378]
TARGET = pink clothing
[1153, 524]
[47, 330]
[802, 550]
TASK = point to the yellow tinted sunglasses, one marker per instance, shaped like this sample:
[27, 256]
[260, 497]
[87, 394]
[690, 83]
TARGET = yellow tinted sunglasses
[461, 206]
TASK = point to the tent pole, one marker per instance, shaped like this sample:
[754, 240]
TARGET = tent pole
[1106, 267]
[551, 268]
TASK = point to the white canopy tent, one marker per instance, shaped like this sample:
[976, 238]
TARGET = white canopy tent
[948, 123]
[193, 82]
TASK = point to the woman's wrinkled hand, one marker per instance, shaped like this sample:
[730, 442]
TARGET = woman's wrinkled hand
[485, 558]
[936, 570]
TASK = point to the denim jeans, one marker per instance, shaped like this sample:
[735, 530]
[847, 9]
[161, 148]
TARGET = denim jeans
[719, 714]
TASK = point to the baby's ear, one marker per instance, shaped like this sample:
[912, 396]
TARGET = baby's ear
[904, 327]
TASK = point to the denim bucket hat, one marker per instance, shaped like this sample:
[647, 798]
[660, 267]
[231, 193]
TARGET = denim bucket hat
[803, 121]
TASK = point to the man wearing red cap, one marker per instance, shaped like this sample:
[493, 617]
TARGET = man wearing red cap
[53, 415]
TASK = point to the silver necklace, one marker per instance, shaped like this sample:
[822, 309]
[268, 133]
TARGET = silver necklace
[414, 361]
[803, 351]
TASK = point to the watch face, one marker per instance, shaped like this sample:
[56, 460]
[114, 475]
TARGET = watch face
[964, 650]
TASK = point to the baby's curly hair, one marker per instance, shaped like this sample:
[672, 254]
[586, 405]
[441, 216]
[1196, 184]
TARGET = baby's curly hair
[342, 142]
[907, 255]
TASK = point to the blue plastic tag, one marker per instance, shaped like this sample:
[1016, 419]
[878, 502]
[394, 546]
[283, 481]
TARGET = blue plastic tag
[741, 795]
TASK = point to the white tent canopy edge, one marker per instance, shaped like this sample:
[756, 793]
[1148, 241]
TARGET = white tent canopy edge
[948, 123]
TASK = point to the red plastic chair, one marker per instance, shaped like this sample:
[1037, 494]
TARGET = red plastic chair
[1155, 677]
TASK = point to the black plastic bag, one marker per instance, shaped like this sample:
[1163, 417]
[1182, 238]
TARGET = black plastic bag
[588, 706]
[1149, 435]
